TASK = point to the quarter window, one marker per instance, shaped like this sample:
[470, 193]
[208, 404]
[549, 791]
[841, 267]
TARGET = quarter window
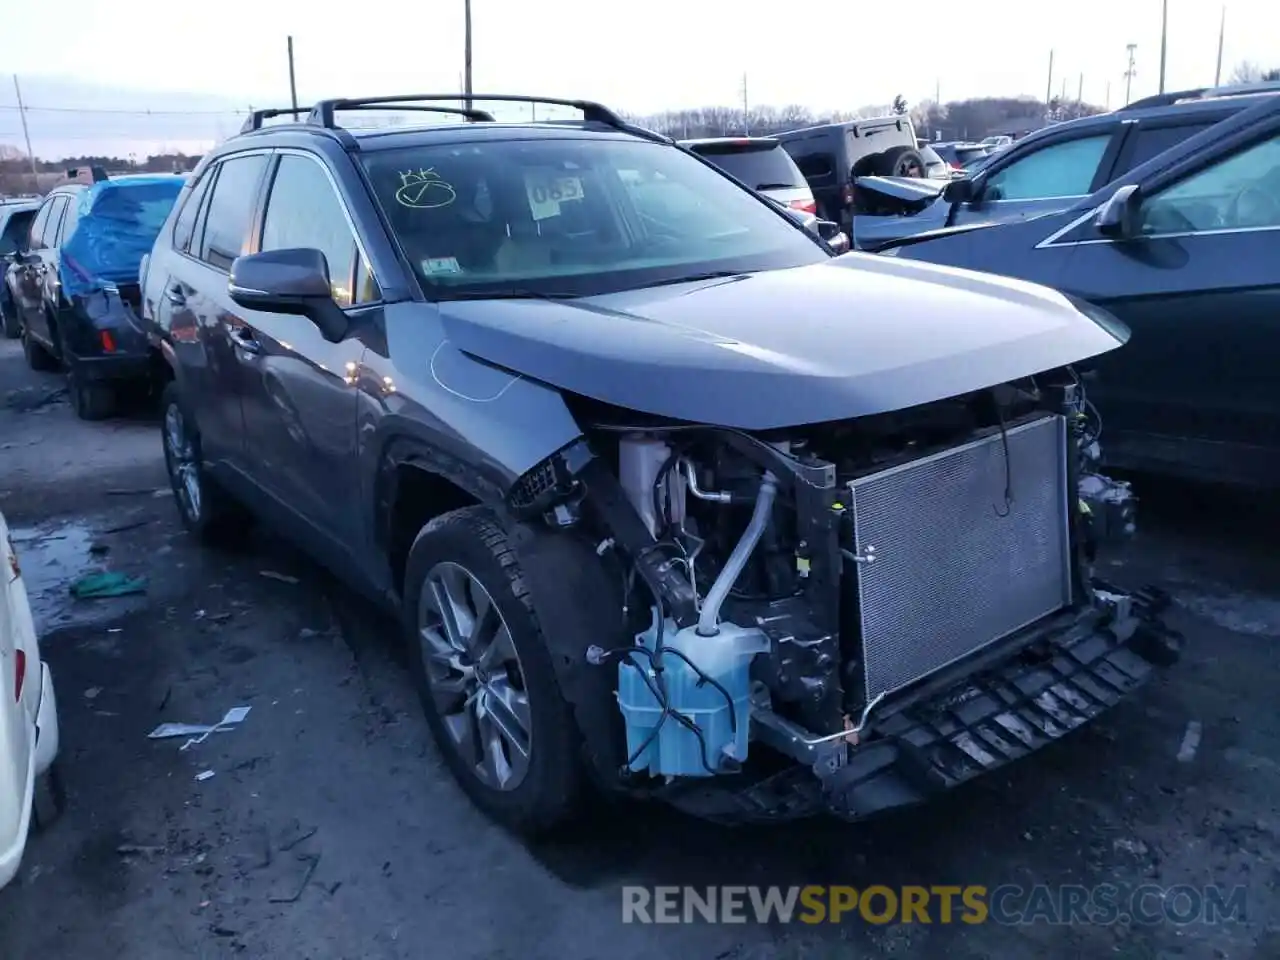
[184, 227]
[1062, 170]
[304, 211]
[40, 223]
[230, 210]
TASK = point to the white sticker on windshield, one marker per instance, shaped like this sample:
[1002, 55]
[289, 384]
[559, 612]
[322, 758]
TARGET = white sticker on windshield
[546, 191]
[438, 265]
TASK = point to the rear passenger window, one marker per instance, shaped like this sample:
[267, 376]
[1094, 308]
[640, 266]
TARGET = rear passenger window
[69, 220]
[1152, 141]
[35, 240]
[304, 211]
[184, 227]
[231, 210]
[50, 237]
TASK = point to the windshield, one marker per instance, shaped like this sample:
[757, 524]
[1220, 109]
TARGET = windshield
[759, 167]
[573, 216]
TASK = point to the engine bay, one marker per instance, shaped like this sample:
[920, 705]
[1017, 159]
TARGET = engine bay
[784, 588]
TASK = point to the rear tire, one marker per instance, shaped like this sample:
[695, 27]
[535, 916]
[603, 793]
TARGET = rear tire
[531, 782]
[91, 401]
[207, 511]
[48, 798]
[9, 322]
[38, 358]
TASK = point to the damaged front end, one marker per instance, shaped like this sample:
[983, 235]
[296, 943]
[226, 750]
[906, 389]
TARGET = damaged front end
[842, 617]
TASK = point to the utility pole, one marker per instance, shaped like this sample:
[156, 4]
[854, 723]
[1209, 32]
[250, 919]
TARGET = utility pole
[26, 135]
[746, 109]
[1108, 103]
[466, 57]
[1080, 90]
[1048, 89]
[1064, 89]
[1129, 74]
[293, 84]
[1222, 32]
[937, 91]
[1164, 37]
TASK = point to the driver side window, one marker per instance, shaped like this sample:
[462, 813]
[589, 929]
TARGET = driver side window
[1240, 192]
[1062, 170]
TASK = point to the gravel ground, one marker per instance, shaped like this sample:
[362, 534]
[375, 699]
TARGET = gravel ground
[330, 829]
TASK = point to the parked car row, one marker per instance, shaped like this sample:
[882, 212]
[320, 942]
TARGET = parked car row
[595, 419]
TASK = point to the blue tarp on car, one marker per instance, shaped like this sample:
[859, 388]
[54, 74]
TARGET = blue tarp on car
[118, 221]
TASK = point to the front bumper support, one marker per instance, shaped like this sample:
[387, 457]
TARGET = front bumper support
[1035, 694]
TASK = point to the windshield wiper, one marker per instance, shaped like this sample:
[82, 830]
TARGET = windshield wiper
[695, 277]
[776, 186]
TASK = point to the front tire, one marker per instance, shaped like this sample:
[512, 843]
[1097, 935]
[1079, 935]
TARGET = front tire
[206, 510]
[48, 798]
[484, 674]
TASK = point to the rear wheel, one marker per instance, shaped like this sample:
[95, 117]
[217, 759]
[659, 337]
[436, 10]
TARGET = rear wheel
[91, 401]
[9, 324]
[485, 676]
[48, 797]
[205, 508]
[38, 358]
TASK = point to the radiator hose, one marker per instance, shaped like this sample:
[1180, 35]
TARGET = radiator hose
[709, 618]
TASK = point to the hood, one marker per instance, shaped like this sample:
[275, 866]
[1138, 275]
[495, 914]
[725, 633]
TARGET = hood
[910, 189]
[849, 337]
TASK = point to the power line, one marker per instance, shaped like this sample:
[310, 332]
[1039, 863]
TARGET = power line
[125, 113]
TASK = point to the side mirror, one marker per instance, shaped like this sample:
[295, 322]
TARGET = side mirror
[828, 230]
[960, 190]
[1120, 217]
[292, 281]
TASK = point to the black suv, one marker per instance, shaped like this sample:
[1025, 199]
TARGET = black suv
[832, 155]
[587, 413]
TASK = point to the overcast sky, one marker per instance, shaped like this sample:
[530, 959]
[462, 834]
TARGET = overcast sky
[643, 56]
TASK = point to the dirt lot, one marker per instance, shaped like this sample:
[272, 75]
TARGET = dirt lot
[329, 828]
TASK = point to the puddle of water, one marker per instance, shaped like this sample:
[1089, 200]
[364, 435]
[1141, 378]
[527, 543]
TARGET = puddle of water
[1239, 612]
[53, 556]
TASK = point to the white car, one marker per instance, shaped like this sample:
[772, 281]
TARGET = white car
[30, 790]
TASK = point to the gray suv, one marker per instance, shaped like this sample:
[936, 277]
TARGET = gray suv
[667, 497]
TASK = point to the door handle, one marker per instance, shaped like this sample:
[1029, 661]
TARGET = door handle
[175, 296]
[244, 341]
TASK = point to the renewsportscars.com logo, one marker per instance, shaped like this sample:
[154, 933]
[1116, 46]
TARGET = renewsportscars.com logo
[1008, 904]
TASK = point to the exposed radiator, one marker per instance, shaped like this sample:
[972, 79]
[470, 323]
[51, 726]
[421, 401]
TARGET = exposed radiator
[956, 567]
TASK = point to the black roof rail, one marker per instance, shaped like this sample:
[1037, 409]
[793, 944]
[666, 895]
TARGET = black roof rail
[1164, 99]
[255, 118]
[1204, 93]
[323, 112]
[478, 116]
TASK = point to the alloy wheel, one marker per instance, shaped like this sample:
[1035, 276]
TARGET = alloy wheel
[184, 470]
[475, 677]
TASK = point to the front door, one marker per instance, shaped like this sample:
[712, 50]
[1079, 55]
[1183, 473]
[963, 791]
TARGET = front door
[1046, 180]
[300, 400]
[1195, 387]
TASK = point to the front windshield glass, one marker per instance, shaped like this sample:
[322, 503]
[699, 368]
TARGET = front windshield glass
[573, 216]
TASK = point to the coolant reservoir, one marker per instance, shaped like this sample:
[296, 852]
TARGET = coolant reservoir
[676, 750]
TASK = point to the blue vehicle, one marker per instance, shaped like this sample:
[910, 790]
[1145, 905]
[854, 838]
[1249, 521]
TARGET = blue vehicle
[75, 280]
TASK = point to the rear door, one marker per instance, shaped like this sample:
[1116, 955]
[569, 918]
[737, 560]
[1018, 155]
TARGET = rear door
[300, 398]
[1046, 177]
[205, 324]
[1195, 388]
